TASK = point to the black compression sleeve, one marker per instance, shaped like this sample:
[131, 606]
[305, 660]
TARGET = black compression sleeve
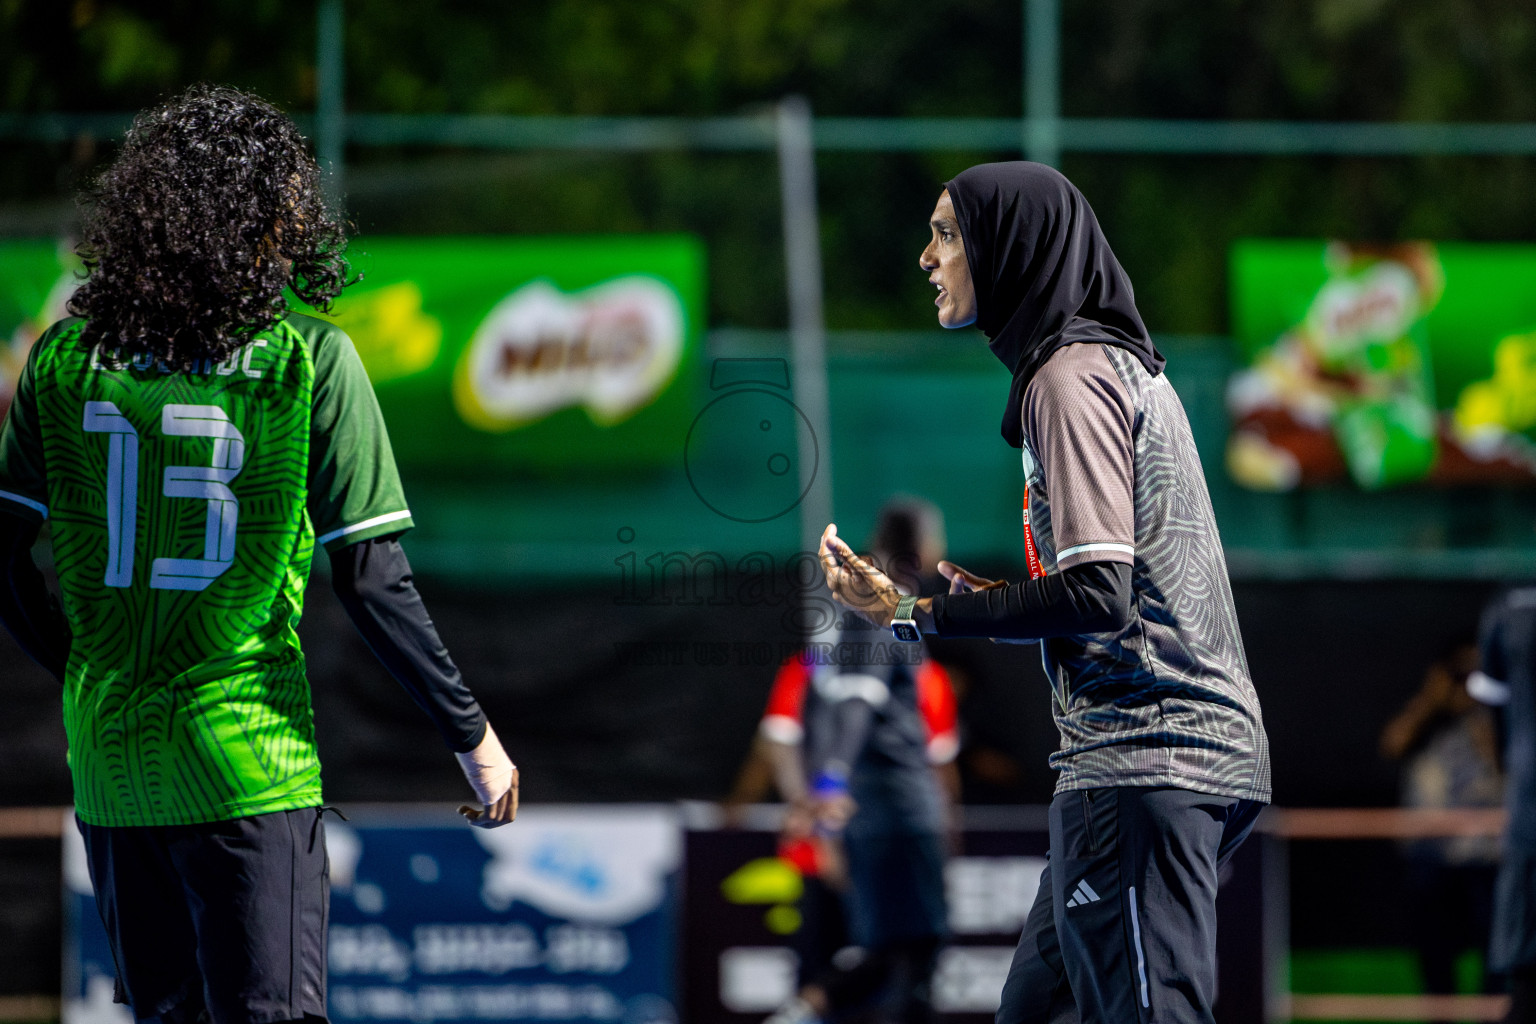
[373, 580]
[26, 607]
[1094, 597]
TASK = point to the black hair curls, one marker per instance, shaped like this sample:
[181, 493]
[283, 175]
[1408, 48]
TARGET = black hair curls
[212, 207]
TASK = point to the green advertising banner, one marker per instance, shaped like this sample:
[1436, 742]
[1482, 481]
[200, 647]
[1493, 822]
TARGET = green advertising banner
[548, 353]
[486, 353]
[1383, 365]
[37, 276]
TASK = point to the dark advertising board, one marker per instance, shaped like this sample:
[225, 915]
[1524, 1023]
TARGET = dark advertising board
[740, 929]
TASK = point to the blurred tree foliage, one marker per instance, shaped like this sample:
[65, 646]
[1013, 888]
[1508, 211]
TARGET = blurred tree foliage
[1170, 218]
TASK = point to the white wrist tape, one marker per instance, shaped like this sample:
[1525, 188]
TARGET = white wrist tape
[488, 768]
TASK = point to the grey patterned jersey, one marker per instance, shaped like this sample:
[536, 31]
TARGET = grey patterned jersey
[1113, 475]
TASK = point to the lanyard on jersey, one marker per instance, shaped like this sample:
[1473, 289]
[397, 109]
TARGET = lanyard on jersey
[1031, 553]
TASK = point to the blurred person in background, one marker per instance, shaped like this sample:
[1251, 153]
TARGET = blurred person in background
[1164, 761]
[1506, 681]
[1449, 748]
[189, 440]
[878, 744]
[776, 762]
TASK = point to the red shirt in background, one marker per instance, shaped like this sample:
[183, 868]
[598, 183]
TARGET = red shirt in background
[784, 722]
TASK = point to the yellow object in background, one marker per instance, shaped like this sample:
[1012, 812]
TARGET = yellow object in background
[394, 336]
[768, 880]
[1508, 398]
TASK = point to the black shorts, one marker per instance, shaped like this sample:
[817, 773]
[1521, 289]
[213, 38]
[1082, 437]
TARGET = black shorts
[227, 916]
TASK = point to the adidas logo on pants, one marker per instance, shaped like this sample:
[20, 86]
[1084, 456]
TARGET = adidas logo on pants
[1082, 894]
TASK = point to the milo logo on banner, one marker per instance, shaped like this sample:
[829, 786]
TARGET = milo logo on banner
[610, 349]
[487, 354]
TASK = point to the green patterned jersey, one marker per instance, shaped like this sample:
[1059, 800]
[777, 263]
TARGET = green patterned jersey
[184, 509]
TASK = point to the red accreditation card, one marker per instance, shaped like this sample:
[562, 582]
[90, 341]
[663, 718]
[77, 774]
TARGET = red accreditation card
[1031, 553]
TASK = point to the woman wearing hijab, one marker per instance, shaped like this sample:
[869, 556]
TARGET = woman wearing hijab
[1163, 763]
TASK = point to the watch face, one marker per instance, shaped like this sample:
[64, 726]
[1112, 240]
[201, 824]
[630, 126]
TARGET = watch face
[906, 631]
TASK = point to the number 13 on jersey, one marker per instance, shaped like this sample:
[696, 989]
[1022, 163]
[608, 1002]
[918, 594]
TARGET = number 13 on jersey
[208, 483]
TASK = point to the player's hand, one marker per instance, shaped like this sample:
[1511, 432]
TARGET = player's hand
[962, 581]
[833, 812]
[854, 582]
[499, 813]
[799, 819]
[493, 777]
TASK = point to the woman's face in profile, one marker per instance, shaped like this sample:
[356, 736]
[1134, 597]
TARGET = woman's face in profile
[944, 260]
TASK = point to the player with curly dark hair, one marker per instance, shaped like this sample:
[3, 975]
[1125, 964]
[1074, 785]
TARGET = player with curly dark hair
[189, 440]
[210, 210]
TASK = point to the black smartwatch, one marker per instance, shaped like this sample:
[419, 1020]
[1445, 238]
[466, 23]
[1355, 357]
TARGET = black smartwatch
[903, 626]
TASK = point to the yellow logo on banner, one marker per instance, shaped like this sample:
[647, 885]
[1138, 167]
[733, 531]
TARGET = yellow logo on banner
[394, 336]
[768, 880]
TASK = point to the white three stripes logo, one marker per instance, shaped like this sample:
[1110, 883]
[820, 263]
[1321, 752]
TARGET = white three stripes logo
[1082, 894]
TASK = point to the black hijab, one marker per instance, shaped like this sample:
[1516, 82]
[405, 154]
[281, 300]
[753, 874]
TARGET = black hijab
[1043, 272]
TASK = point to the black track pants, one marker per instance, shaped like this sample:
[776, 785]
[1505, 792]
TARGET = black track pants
[1123, 929]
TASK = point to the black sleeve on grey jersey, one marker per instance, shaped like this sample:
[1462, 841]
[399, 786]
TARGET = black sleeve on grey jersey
[373, 580]
[1090, 597]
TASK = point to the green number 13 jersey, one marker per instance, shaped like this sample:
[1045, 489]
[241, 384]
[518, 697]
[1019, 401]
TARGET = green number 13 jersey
[184, 509]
